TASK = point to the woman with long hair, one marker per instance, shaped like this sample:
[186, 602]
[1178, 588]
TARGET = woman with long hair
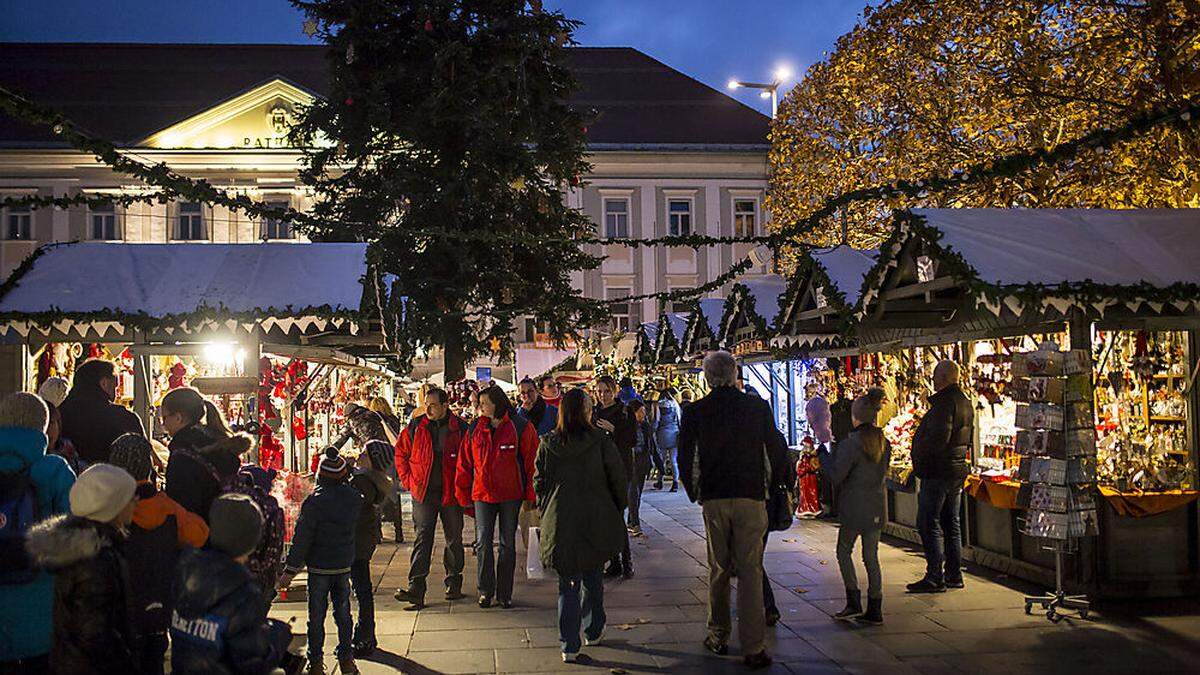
[581, 490]
[859, 473]
[495, 475]
[202, 463]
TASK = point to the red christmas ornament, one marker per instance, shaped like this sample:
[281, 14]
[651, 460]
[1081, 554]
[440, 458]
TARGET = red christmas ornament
[175, 375]
[428, 25]
[574, 181]
[349, 100]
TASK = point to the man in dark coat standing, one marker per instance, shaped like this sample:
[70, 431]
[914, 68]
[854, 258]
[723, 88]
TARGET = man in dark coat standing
[725, 440]
[90, 418]
[941, 455]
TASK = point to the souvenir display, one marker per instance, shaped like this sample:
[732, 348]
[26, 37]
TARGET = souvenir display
[1142, 410]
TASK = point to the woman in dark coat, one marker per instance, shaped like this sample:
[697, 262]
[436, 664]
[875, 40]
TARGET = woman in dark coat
[581, 490]
[200, 466]
[859, 471]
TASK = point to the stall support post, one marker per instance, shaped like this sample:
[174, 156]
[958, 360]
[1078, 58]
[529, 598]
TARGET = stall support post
[142, 396]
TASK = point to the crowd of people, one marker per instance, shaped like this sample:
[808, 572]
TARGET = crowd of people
[114, 552]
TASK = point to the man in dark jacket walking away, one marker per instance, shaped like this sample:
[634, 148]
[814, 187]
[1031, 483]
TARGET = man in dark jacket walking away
[219, 624]
[427, 463]
[612, 416]
[324, 543]
[90, 419]
[724, 442]
[941, 455]
[93, 627]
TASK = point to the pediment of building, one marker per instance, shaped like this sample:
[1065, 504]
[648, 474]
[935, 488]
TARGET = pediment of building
[258, 118]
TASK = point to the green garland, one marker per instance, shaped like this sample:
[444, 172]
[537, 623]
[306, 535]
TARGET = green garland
[173, 186]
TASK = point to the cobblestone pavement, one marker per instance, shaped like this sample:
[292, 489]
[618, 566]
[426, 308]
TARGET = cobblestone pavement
[656, 620]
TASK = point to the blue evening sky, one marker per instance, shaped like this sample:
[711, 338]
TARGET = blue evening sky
[711, 40]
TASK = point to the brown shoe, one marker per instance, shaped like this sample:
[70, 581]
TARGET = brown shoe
[347, 666]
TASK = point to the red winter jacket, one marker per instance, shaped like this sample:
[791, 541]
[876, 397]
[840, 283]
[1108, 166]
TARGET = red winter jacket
[414, 457]
[494, 466]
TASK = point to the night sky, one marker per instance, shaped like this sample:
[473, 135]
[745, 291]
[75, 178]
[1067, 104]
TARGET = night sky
[711, 40]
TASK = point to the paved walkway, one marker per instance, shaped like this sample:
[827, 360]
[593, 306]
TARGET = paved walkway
[656, 619]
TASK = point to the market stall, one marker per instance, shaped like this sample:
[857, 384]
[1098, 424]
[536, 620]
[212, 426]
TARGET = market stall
[1119, 287]
[703, 326]
[279, 335]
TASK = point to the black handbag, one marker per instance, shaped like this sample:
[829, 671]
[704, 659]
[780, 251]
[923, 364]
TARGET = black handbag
[781, 508]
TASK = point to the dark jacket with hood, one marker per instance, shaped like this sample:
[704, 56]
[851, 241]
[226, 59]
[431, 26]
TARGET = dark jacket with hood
[27, 609]
[324, 537]
[93, 622]
[580, 483]
[220, 622]
[728, 447]
[941, 447]
[860, 463]
[202, 466]
[374, 486]
[92, 422]
[624, 432]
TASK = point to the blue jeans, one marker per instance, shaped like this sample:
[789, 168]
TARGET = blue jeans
[580, 600]
[323, 590]
[941, 535]
[496, 571]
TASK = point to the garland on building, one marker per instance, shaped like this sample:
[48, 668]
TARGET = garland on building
[172, 186]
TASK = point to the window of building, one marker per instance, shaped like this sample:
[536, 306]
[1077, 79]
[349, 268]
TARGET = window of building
[274, 228]
[616, 218]
[679, 217]
[622, 312]
[18, 224]
[745, 217]
[191, 222]
[103, 220]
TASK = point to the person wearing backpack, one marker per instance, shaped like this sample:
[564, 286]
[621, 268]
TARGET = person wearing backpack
[33, 486]
[93, 620]
[265, 562]
[160, 529]
[495, 475]
[218, 624]
[324, 543]
[200, 468]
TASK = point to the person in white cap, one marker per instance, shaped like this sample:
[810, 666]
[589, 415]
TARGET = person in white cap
[92, 630]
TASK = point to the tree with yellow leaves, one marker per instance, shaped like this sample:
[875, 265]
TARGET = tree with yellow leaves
[928, 87]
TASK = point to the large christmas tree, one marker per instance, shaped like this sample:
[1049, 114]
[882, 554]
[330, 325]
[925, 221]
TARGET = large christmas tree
[446, 140]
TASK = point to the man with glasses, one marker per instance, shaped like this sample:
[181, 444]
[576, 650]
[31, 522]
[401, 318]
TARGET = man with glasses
[534, 408]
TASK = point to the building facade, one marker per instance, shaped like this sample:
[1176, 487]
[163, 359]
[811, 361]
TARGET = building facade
[670, 156]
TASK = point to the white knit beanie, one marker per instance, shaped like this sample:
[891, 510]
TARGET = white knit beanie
[54, 391]
[101, 491]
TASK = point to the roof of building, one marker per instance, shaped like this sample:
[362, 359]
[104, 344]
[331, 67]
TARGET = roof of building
[155, 281]
[846, 267]
[1049, 247]
[126, 92]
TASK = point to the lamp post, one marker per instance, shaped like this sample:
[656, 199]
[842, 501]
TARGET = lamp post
[767, 89]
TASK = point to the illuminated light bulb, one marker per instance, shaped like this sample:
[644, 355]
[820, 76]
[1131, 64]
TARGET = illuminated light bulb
[733, 84]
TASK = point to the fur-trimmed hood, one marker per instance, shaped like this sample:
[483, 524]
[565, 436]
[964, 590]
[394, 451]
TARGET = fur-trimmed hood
[62, 541]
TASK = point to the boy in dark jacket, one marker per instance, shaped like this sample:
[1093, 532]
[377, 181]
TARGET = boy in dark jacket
[371, 481]
[219, 624]
[160, 528]
[324, 543]
[93, 631]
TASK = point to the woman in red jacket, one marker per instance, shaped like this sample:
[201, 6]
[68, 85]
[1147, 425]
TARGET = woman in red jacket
[495, 475]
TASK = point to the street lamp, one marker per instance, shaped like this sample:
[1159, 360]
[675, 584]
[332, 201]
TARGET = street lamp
[768, 89]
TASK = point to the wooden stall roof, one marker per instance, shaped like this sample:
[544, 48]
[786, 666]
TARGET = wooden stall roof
[106, 291]
[821, 297]
[751, 310]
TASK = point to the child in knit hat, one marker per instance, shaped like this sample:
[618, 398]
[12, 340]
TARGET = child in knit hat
[92, 633]
[324, 543]
[219, 623]
[160, 528]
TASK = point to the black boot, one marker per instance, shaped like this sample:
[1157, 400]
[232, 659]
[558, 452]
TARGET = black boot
[874, 615]
[853, 606]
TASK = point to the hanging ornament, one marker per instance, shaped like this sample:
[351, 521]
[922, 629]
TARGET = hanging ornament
[574, 181]
[349, 100]
[494, 343]
[310, 27]
[428, 25]
[350, 54]
[506, 296]
[517, 183]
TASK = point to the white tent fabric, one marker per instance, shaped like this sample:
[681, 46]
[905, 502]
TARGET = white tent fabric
[678, 323]
[1054, 246]
[711, 310]
[767, 293]
[846, 267]
[172, 279]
